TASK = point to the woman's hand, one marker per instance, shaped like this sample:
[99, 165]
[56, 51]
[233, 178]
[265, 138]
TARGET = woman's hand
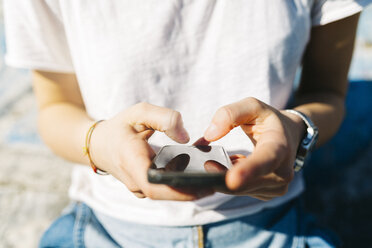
[267, 172]
[119, 146]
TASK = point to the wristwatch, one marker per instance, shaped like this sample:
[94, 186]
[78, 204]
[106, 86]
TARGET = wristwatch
[308, 141]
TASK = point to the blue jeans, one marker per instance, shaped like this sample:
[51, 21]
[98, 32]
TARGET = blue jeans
[285, 226]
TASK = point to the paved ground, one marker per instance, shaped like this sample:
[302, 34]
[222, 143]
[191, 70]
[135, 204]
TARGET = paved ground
[34, 182]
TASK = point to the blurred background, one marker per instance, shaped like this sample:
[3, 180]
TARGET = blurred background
[34, 182]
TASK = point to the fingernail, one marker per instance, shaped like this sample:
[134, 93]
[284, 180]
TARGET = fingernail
[184, 136]
[211, 132]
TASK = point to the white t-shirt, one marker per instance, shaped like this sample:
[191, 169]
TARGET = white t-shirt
[193, 56]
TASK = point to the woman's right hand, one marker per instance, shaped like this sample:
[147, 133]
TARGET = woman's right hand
[119, 146]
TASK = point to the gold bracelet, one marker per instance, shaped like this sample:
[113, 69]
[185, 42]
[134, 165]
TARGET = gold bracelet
[87, 152]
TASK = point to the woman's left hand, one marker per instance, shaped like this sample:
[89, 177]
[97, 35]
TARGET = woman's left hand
[267, 172]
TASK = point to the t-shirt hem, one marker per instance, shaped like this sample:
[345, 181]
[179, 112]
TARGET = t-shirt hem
[213, 215]
[218, 216]
[170, 214]
[341, 13]
[38, 65]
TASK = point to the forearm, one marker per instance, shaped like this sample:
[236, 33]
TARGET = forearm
[324, 82]
[326, 110]
[63, 127]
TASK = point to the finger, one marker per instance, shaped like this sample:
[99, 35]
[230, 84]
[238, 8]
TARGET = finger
[121, 173]
[159, 118]
[268, 194]
[164, 192]
[266, 157]
[212, 166]
[128, 181]
[276, 191]
[268, 182]
[271, 192]
[234, 158]
[233, 115]
[139, 194]
[262, 197]
[200, 192]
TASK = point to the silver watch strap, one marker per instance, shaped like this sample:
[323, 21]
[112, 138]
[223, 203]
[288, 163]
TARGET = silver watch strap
[307, 142]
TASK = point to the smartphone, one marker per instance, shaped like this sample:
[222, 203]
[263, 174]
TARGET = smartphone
[190, 166]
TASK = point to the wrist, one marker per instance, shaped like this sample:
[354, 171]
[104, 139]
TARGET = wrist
[308, 140]
[91, 150]
[298, 126]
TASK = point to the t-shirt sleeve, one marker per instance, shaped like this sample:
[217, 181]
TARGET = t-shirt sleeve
[326, 11]
[35, 36]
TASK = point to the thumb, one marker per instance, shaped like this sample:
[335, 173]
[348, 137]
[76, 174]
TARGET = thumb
[160, 119]
[230, 116]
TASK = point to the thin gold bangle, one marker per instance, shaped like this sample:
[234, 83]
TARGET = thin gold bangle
[87, 151]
